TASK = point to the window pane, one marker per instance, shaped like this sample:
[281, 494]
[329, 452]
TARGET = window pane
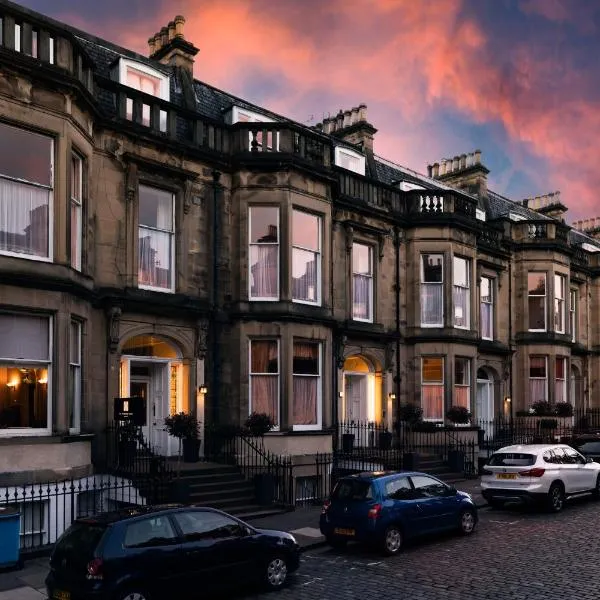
[433, 369]
[156, 208]
[205, 525]
[461, 272]
[25, 155]
[486, 289]
[537, 366]
[74, 343]
[264, 271]
[432, 268]
[306, 359]
[264, 225]
[143, 82]
[264, 357]
[306, 399]
[23, 396]
[361, 259]
[559, 286]
[305, 230]
[461, 371]
[76, 178]
[361, 304]
[304, 275]
[560, 368]
[537, 312]
[24, 211]
[24, 337]
[154, 258]
[536, 283]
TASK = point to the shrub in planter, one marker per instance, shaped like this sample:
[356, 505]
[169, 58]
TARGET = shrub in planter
[258, 424]
[411, 414]
[564, 409]
[185, 428]
[458, 415]
[542, 408]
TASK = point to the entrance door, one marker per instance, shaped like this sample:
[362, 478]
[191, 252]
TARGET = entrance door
[355, 396]
[485, 406]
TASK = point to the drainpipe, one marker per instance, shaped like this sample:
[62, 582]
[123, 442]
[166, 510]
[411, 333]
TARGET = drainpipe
[510, 344]
[214, 308]
[397, 378]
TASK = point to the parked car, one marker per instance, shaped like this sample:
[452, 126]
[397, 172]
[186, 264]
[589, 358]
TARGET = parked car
[387, 508]
[547, 473]
[588, 445]
[144, 553]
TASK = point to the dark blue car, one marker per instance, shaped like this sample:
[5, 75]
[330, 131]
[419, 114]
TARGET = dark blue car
[386, 508]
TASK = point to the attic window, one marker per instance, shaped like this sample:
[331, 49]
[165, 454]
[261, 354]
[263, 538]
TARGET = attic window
[590, 247]
[241, 115]
[516, 217]
[349, 159]
[407, 186]
[480, 214]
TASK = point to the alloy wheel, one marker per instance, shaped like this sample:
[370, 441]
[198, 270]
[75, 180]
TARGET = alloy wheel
[393, 540]
[276, 572]
[556, 498]
[467, 522]
[134, 596]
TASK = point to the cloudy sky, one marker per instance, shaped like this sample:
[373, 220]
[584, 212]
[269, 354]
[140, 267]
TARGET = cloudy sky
[519, 79]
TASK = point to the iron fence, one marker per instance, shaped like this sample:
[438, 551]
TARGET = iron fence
[48, 509]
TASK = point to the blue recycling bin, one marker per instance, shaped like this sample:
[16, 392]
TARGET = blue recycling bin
[10, 530]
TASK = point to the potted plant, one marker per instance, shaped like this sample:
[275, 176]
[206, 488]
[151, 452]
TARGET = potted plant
[563, 409]
[185, 428]
[458, 415]
[127, 436]
[259, 424]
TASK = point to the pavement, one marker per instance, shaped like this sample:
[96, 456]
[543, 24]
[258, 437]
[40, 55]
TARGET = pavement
[28, 582]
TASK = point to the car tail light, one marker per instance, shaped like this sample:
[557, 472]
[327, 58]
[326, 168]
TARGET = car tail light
[326, 506]
[537, 472]
[375, 512]
[94, 569]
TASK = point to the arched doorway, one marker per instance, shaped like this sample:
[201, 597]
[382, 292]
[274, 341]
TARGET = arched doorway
[151, 368]
[484, 401]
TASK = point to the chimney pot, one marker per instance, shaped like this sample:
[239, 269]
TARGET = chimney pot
[355, 118]
[477, 157]
[463, 161]
[436, 169]
[443, 167]
[179, 23]
[429, 170]
[171, 27]
[455, 162]
[151, 46]
[340, 120]
[164, 36]
[347, 118]
[362, 112]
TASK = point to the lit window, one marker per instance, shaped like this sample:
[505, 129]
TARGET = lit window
[362, 282]
[462, 383]
[306, 257]
[486, 308]
[432, 290]
[538, 379]
[350, 160]
[432, 388]
[264, 253]
[461, 293]
[264, 378]
[537, 301]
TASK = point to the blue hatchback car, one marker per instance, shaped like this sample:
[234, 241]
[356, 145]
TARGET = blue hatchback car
[387, 508]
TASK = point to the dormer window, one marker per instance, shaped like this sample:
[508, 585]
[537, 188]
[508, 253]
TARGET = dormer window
[480, 214]
[407, 186]
[241, 115]
[350, 160]
[516, 217]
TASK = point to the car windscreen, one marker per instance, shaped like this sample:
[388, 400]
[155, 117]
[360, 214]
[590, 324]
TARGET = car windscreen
[589, 447]
[511, 459]
[352, 489]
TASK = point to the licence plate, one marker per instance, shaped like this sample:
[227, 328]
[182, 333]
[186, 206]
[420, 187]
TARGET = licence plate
[349, 532]
[60, 595]
[506, 476]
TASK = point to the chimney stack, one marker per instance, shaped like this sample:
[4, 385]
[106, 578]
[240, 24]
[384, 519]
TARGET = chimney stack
[170, 47]
[352, 126]
[547, 204]
[464, 171]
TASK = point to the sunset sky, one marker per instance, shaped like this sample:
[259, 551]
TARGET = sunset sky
[519, 79]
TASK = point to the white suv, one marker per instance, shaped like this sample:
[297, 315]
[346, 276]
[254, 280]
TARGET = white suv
[538, 472]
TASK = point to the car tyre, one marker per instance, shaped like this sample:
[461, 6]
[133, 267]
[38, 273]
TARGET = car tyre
[555, 501]
[596, 490]
[276, 573]
[392, 540]
[336, 542]
[467, 521]
[133, 593]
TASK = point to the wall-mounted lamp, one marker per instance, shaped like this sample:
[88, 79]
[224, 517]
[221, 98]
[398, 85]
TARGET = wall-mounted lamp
[341, 394]
[507, 399]
[43, 381]
[12, 384]
[203, 389]
[392, 396]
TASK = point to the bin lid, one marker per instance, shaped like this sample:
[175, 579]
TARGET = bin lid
[9, 511]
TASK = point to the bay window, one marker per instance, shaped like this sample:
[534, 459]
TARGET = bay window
[26, 193]
[537, 301]
[264, 378]
[264, 253]
[538, 379]
[362, 282]
[461, 293]
[486, 308]
[432, 388]
[76, 211]
[306, 257]
[74, 391]
[307, 386]
[156, 239]
[573, 315]
[25, 373]
[432, 290]
[462, 383]
[560, 289]
[560, 379]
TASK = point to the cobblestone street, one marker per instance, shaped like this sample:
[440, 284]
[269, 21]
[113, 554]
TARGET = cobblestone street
[514, 554]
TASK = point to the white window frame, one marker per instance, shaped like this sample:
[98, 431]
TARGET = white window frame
[560, 301]
[340, 151]
[434, 384]
[170, 290]
[318, 253]
[76, 262]
[319, 425]
[545, 296]
[546, 398]
[48, 364]
[467, 385]
[480, 214]
[424, 283]
[242, 115]
[370, 276]
[75, 426]
[516, 217]
[490, 303]
[573, 314]
[562, 382]
[50, 257]
[125, 63]
[278, 245]
[455, 286]
[275, 375]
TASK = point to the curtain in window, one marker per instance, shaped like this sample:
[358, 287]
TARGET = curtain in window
[264, 378]
[24, 211]
[461, 306]
[362, 297]
[432, 401]
[560, 383]
[304, 275]
[306, 381]
[432, 301]
[486, 320]
[537, 390]
[461, 395]
[155, 258]
[264, 266]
